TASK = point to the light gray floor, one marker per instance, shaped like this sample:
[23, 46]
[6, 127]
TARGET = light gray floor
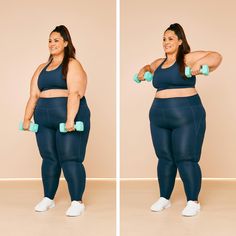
[217, 216]
[17, 218]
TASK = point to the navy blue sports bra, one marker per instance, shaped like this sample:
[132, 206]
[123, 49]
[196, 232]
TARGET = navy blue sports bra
[170, 78]
[51, 79]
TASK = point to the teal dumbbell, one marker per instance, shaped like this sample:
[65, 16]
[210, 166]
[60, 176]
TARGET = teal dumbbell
[33, 127]
[204, 70]
[79, 126]
[147, 76]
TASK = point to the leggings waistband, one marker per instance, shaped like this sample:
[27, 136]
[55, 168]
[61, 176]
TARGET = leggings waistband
[56, 102]
[177, 101]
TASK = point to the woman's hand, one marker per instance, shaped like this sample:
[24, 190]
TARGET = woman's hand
[26, 124]
[70, 125]
[195, 69]
[141, 74]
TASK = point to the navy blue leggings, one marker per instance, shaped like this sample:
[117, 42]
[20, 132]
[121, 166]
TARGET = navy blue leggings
[177, 128]
[61, 150]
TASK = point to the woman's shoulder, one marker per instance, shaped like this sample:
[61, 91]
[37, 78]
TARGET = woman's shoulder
[155, 64]
[40, 68]
[74, 63]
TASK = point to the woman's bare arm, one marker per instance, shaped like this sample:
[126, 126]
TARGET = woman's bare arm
[34, 94]
[198, 58]
[151, 68]
[76, 83]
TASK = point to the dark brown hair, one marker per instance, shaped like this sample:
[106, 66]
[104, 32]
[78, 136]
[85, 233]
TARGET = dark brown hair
[69, 51]
[184, 48]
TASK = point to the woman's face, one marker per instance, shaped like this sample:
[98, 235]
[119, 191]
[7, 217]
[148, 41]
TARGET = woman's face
[56, 43]
[171, 42]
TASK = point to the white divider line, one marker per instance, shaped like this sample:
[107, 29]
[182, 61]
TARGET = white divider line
[117, 117]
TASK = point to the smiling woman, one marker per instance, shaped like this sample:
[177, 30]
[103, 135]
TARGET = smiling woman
[57, 95]
[177, 117]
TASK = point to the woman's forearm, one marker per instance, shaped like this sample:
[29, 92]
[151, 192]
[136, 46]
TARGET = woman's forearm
[147, 68]
[73, 103]
[143, 70]
[29, 110]
[213, 60]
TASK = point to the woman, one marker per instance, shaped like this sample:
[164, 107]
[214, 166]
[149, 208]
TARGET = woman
[57, 96]
[177, 117]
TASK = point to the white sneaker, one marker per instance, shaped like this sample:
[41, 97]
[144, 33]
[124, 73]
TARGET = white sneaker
[161, 204]
[75, 209]
[44, 205]
[191, 209]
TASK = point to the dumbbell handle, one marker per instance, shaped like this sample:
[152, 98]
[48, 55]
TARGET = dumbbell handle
[147, 76]
[204, 70]
[33, 127]
[79, 126]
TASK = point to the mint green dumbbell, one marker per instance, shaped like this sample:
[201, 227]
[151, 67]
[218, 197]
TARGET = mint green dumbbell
[33, 127]
[79, 126]
[204, 70]
[147, 76]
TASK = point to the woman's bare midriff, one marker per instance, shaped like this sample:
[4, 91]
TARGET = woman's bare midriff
[54, 93]
[170, 93]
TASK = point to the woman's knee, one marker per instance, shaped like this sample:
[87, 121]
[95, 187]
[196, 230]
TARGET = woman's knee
[77, 158]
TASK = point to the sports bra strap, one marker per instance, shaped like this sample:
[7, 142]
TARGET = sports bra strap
[163, 62]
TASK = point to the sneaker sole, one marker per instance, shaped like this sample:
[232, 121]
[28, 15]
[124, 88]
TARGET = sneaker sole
[51, 206]
[167, 206]
[191, 215]
[76, 214]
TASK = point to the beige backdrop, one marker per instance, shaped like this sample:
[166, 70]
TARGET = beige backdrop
[25, 27]
[209, 25]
